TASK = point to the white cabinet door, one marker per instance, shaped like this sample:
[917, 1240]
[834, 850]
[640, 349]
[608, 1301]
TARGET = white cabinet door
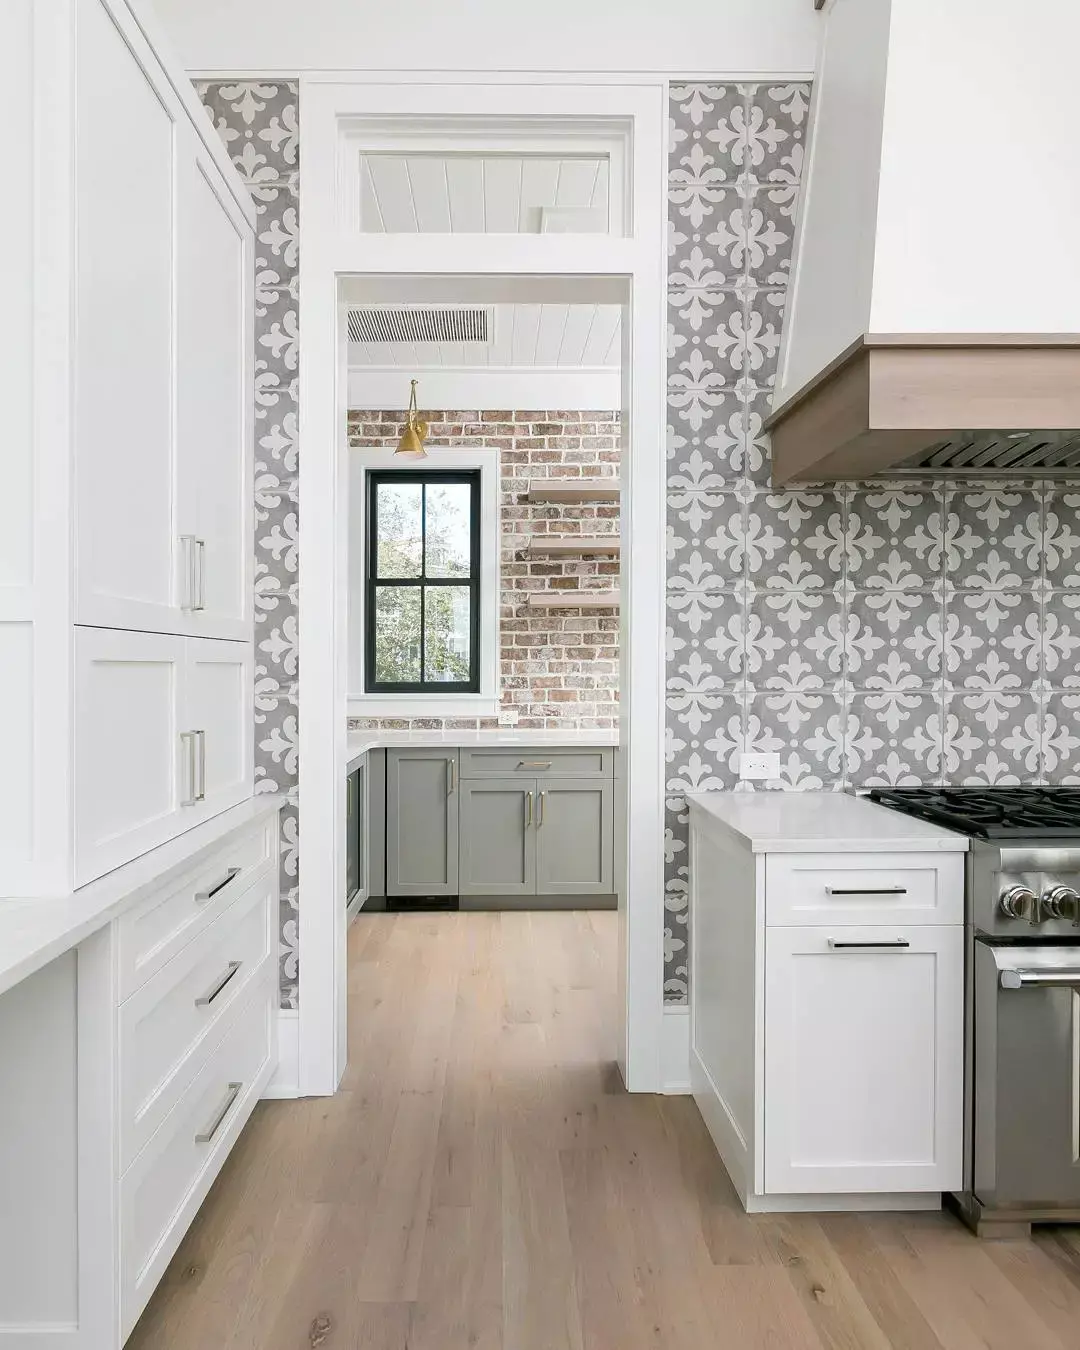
[125, 507]
[218, 681]
[130, 765]
[863, 1059]
[213, 400]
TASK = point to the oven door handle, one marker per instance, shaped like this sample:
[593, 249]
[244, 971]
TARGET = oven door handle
[1065, 977]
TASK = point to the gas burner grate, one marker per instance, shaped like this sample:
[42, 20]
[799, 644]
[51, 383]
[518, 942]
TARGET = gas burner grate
[991, 813]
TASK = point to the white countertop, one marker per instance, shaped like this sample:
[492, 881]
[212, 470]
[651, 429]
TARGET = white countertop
[360, 742]
[35, 932]
[821, 822]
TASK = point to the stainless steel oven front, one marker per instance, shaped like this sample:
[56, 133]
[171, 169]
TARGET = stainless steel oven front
[1025, 1126]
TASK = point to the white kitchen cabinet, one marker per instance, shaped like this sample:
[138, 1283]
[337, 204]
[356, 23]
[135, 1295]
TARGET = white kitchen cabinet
[163, 731]
[130, 463]
[863, 1048]
[218, 712]
[213, 392]
[132, 771]
[826, 999]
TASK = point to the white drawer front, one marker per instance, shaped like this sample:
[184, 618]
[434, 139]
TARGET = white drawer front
[167, 1027]
[864, 888]
[151, 933]
[167, 1182]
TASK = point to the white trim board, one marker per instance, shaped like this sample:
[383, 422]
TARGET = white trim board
[633, 266]
[578, 390]
[675, 1051]
[285, 1082]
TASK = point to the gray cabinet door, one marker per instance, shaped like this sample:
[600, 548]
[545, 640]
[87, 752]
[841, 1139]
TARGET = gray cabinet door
[574, 838]
[352, 836]
[421, 822]
[498, 838]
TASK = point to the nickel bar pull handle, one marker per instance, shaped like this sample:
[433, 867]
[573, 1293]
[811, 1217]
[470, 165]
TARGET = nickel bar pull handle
[884, 944]
[866, 890]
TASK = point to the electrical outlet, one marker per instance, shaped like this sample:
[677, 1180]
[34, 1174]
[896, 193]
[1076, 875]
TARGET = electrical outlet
[759, 768]
[508, 717]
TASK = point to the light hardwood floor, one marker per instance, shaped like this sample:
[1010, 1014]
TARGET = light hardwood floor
[483, 1183]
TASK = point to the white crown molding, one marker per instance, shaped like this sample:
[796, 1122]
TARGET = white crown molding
[577, 389]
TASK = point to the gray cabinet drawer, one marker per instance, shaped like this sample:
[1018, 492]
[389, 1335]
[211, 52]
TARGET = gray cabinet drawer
[543, 762]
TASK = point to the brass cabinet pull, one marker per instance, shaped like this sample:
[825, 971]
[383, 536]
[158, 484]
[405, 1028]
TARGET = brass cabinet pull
[204, 1000]
[534, 764]
[200, 796]
[453, 776]
[528, 809]
[540, 814]
[206, 1135]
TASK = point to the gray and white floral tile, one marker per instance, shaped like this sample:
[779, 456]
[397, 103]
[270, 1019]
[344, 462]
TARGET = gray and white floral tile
[895, 640]
[258, 121]
[894, 738]
[1061, 735]
[993, 738]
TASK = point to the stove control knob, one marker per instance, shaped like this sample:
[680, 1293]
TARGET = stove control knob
[1061, 902]
[1018, 902]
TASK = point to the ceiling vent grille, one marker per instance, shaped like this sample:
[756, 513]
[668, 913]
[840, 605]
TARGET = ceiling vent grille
[454, 323]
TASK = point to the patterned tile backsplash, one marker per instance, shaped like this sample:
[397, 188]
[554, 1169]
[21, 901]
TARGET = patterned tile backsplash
[898, 632]
[258, 122]
[888, 633]
[556, 668]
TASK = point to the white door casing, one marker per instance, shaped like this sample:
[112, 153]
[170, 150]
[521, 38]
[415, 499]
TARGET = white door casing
[332, 248]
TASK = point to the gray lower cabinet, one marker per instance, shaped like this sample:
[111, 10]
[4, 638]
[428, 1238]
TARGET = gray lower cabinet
[498, 841]
[353, 816]
[537, 837]
[422, 799]
[575, 849]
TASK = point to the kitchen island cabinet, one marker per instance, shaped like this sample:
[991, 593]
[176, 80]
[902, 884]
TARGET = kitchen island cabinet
[826, 1016]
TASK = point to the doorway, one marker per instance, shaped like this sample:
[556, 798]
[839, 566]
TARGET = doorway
[623, 267]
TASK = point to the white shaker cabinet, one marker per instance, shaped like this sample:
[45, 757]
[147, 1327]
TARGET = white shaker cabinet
[163, 730]
[214, 399]
[826, 999]
[863, 1045]
[129, 472]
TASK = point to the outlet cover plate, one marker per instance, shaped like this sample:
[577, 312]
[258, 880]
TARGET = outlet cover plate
[759, 768]
[508, 719]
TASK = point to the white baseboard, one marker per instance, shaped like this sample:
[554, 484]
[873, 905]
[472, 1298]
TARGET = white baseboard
[675, 1052]
[286, 1079]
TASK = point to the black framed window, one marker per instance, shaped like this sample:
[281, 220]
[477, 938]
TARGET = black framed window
[422, 610]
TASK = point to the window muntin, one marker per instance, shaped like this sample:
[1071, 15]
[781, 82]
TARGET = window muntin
[422, 629]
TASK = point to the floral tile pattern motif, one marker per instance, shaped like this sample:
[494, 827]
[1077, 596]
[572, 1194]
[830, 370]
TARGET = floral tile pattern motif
[892, 633]
[258, 121]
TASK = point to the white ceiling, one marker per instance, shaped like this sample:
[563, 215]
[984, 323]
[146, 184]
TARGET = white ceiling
[546, 335]
[483, 194]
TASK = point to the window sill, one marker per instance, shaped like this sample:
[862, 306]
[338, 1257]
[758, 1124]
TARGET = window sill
[422, 705]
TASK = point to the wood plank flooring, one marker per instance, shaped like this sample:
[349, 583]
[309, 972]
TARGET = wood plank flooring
[482, 1182]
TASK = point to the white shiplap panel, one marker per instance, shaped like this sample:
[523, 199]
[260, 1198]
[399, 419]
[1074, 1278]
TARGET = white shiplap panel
[526, 325]
[502, 192]
[427, 177]
[465, 178]
[604, 333]
[579, 324]
[550, 333]
[577, 178]
[539, 184]
[371, 221]
[600, 186]
[390, 175]
[501, 350]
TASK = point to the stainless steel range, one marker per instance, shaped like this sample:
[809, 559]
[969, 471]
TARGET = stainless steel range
[1022, 1032]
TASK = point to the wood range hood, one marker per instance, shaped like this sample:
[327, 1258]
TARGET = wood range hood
[949, 405]
[933, 323]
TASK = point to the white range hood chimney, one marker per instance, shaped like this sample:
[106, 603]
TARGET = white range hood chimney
[935, 310]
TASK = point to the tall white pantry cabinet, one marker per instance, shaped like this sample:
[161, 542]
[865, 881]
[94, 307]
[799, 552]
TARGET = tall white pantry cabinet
[126, 378]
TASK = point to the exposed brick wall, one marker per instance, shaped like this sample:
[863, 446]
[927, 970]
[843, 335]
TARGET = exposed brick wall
[558, 668]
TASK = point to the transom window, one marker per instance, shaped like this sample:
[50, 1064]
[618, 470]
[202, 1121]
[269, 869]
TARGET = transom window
[422, 625]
